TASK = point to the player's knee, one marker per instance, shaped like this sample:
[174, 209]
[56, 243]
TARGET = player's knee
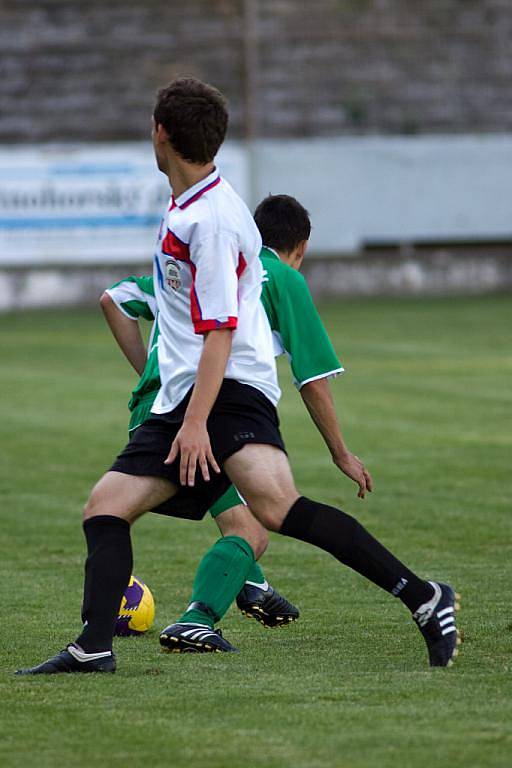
[259, 542]
[272, 512]
[240, 522]
[256, 535]
[269, 516]
[87, 510]
[91, 507]
[96, 504]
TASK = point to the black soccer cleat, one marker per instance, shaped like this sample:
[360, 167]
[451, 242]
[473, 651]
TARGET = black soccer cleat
[266, 605]
[73, 659]
[194, 638]
[436, 622]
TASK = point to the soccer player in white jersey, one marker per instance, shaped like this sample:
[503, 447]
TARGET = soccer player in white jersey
[214, 420]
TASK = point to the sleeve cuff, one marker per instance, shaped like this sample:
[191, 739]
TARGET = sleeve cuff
[328, 375]
[119, 305]
[203, 326]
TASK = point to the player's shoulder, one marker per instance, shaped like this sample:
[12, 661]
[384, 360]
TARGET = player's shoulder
[227, 208]
[287, 278]
[219, 208]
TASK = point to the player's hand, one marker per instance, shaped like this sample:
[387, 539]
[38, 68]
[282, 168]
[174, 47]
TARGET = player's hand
[353, 467]
[192, 443]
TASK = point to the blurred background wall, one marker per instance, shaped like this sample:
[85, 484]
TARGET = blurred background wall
[391, 120]
[88, 71]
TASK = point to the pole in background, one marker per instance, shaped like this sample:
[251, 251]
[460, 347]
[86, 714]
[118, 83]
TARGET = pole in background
[251, 92]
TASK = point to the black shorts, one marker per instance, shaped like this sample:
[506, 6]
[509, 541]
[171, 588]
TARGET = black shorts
[241, 415]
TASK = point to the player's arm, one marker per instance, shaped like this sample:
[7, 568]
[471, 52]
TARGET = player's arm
[123, 304]
[318, 400]
[215, 315]
[192, 441]
[126, 332]
[313, 361]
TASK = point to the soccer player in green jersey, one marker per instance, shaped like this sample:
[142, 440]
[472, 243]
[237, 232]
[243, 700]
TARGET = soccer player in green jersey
[299, 332]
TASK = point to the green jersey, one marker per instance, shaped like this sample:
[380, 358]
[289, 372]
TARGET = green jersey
[297, 328]
[135, 297]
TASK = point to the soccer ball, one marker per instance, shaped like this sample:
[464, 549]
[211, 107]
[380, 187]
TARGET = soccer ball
[137, 609]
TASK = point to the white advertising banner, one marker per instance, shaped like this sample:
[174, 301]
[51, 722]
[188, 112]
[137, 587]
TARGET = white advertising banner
[102, 203]
[88, 204]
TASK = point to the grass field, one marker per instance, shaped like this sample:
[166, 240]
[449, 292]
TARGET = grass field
[427, 403]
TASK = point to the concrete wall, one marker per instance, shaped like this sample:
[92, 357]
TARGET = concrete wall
[427, 271]
[73, 71]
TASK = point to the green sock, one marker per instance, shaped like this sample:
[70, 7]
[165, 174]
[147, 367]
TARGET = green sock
[256, 575]
[220, 577]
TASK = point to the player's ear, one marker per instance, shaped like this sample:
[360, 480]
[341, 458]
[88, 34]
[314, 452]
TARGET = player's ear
[161, 134]
[303, 246]
[300, 252]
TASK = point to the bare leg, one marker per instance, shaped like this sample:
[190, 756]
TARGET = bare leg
[262, 474]
[228, 571]
[116, 501]
[238, 521]
[127, 496]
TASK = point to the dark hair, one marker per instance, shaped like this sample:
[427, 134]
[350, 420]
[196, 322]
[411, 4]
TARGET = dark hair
[283, 222]
[195, 117]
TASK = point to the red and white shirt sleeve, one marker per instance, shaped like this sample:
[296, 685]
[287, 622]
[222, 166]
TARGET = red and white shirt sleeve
[216, 265]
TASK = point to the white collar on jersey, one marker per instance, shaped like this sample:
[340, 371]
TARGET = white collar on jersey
[191, 194]
[272, 250]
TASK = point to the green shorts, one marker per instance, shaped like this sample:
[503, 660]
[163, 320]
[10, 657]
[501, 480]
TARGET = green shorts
[140, 413]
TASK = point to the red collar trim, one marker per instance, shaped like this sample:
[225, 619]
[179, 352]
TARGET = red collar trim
[197, 195]
[193, 193]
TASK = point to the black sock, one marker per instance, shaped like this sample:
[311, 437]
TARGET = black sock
[107, 572]
[346, 539]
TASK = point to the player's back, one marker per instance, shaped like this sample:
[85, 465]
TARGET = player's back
[208, 276]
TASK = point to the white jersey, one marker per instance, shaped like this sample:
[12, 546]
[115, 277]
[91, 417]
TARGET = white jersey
[208, 275]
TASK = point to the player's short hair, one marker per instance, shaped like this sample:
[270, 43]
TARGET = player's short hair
[195, 117]
[283, 222]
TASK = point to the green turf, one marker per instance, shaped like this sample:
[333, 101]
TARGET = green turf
[427, 403]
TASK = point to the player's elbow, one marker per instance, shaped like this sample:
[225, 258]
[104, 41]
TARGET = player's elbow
[314, 389]
[305, 390]
[105, 302]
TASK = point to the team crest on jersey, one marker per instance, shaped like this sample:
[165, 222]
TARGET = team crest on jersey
[172, 274]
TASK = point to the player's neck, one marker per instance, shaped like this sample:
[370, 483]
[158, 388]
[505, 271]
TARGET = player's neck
[288, 258]
[183, 175]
